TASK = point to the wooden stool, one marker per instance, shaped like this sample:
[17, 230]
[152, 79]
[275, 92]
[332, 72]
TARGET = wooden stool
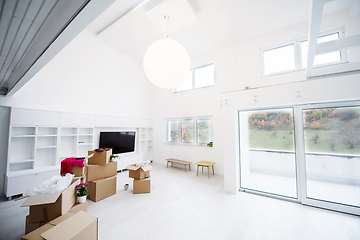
[203, 164]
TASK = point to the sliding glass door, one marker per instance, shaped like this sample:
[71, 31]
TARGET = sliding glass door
[332, 156]
[322, 169]
[267, 152]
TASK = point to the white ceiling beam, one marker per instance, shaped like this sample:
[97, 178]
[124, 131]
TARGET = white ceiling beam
[336, 69]
[317, 8]
[338, 45]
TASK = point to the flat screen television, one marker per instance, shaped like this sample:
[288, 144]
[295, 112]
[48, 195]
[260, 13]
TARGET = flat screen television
[120, 142]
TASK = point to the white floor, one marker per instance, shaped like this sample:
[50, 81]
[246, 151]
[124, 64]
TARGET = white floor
[183, 206]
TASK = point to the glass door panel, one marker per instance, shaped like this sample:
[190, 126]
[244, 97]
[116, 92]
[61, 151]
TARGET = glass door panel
[267, 151]
[332, 154]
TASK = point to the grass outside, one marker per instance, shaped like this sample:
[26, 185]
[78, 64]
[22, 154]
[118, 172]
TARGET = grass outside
[284, 140]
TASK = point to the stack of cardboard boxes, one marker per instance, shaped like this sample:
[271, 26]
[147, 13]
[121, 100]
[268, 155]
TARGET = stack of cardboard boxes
[141, 176]
[101, 175]
[45, 208]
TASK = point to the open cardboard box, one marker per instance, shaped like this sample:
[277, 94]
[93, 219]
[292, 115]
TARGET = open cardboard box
[139, 172]
[100, 158]
[70, 226]
[80, 171]
[51, 206]
[96, 172]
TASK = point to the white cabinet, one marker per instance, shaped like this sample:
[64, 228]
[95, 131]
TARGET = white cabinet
[26, 117]
[15, 185]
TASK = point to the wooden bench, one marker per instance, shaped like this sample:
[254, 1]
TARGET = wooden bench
[172, 160]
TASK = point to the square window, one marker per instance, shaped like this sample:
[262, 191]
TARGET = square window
[279, 59]
[204, 76]
[203, 129]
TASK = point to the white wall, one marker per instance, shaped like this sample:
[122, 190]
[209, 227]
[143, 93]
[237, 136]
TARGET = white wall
[87, 76]
[237, 66]
[195, 103]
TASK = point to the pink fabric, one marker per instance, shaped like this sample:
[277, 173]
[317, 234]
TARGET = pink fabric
[68, 162]
[66, 166]
[77, 163]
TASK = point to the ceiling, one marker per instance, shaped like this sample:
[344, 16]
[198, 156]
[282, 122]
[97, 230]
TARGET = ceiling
[219, 23]
[29, 28]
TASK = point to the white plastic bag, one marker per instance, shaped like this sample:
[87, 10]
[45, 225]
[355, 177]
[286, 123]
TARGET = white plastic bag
[52, 185]
[143, 163]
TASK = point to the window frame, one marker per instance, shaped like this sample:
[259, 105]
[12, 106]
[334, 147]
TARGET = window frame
[343, 53]
[194, 129]
[193, 79]
[298, 57]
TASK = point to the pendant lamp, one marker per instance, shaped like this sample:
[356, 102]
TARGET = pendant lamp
[166, 63]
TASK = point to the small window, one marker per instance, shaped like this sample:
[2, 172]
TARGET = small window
[279, 59]
[172, 131]
[322, 59]
[198, 78]
[187, 131]
[203, 129]
[204, 76]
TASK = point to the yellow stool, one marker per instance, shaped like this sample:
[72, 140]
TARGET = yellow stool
[203, 164]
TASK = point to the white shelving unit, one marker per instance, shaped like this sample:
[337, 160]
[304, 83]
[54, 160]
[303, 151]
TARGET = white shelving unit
[145, 140]
[75, 141]
[39, 140]
[32, 151]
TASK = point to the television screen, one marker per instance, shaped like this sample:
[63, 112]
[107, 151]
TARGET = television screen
[120, 142]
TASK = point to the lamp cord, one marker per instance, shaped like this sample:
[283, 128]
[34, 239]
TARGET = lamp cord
[167, 25]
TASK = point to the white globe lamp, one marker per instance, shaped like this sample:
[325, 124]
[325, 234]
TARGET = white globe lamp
[166, 63]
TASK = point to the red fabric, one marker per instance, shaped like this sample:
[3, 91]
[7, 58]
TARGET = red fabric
[77, 163]
[66, 166]
[68, 162]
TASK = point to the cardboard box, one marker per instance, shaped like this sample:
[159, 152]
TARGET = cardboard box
[79, 207]
[100, 158]
[96, 172]
[51, 206]
[29, 227]
[139, 172]
[79, 171]
[141, 186]
[79, 226]
[102, 188]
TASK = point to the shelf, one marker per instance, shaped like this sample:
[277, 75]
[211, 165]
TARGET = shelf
[47, 135]
[21, 166]
[84, 144]
[90, 134]
[43, 131]
[68, 135]
[39, 147]
[23, 131]
[21, 136]
[22, 161]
